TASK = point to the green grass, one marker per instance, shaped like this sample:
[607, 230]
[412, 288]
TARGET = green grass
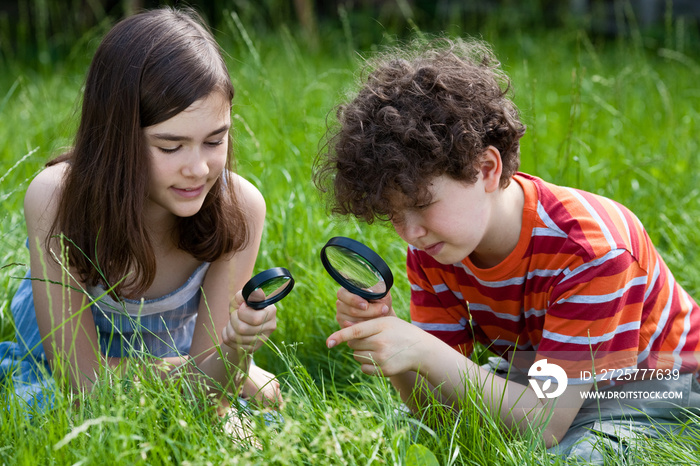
[616, 117]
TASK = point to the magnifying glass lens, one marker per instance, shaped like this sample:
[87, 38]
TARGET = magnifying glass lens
[268, 287]
[357, 268]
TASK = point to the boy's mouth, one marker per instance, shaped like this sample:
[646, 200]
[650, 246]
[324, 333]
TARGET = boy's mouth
[434, 248]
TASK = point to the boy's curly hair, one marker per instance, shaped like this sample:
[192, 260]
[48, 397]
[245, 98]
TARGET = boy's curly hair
[424, 110]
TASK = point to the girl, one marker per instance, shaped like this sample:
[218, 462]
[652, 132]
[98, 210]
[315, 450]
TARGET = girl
[140, 235]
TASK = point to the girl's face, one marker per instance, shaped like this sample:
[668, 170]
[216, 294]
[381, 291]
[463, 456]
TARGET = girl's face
[187, 154]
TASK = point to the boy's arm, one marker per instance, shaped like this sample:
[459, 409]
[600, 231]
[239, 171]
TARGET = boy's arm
[418, 362]
[409, 356]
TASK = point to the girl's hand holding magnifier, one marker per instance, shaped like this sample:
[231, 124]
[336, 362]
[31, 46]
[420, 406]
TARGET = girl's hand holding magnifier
[251, 324]
[255, 318]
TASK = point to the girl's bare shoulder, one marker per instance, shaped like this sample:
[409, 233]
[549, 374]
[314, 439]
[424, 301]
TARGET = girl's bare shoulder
[249, 195]
[246, 189]
[43, 193]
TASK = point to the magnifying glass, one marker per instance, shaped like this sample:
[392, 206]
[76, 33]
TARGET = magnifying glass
[268, 287]
[357, 268]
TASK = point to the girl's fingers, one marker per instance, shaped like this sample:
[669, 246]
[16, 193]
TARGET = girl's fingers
[239, 298]
[249, 321]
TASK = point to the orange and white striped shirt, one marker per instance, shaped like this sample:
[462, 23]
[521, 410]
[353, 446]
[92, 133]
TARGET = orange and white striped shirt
[583, 277]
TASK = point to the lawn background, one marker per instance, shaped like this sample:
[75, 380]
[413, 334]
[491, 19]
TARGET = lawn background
[613, 114]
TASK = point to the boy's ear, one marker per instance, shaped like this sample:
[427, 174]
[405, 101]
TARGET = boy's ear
[491, 167]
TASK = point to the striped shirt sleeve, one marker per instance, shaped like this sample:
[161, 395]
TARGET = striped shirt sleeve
[435, 307]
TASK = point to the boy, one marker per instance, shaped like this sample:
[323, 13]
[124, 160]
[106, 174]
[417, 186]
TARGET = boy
[431, 143]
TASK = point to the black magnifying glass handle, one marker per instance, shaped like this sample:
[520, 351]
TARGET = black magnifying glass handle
[268, 287]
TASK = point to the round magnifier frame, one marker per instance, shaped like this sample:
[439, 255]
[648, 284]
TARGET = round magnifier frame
[367, 254]
[263, 277]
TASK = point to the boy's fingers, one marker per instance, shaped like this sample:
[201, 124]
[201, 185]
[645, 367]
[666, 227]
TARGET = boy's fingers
[354, 332]
[352, 299]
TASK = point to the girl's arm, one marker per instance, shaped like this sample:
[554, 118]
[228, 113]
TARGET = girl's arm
[217, 323]
[63, 313]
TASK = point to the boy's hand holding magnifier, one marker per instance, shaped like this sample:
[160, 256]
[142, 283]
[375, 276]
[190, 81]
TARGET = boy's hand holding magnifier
[383, 343]
[369, 324]
[365, 279]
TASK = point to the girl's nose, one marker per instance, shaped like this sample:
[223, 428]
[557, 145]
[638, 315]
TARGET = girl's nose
[197, 165]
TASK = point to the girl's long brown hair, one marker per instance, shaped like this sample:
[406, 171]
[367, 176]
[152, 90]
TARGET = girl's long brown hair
[147, 69]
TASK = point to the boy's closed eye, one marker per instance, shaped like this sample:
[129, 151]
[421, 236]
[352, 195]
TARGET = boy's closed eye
[424, 205]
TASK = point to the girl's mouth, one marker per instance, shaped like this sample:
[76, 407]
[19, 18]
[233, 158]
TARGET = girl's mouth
[189, 192]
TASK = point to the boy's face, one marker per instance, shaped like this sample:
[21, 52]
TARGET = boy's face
[452, 225]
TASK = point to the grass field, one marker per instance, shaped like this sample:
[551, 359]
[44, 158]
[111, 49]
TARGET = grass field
[618, 117]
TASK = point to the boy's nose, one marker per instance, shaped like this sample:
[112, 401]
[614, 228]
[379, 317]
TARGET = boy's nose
[410, 228]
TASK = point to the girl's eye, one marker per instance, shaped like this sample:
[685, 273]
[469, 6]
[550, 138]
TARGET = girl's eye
[214, 143]
[168, 150]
